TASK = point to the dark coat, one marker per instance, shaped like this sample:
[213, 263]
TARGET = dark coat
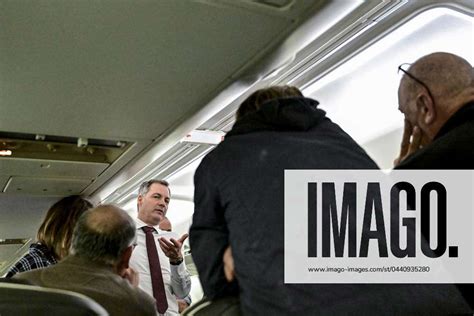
[452, 148]
[239, 200]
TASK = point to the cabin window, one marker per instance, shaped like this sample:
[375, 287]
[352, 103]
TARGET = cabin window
[361, 94]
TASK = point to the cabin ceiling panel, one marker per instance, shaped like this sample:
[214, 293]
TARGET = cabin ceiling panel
[50, 168]
[21, 217]
[121, 69]
[45, 186]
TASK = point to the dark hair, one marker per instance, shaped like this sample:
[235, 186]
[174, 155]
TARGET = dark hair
[56, 229]
[145, 186]
[256, 99]
[102, 234]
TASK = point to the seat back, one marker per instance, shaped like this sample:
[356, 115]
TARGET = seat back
[20, 299]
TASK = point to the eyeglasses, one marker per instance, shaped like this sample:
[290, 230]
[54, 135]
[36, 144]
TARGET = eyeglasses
[414, 78]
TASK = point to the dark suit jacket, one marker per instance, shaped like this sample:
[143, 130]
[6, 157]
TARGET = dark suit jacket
[452, 148]
[96, 281]
[239, 200]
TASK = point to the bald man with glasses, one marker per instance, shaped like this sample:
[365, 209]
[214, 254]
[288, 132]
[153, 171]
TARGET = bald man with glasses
[436, 95]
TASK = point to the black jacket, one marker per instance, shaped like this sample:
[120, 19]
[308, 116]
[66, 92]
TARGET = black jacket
[452, 148]
[239, 200]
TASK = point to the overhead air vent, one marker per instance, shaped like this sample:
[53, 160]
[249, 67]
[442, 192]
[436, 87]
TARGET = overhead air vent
[19, 145]
[53, 165]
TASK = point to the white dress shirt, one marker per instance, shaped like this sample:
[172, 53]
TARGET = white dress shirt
[176, 279]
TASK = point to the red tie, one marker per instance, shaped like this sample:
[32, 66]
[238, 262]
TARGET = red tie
[155, 271]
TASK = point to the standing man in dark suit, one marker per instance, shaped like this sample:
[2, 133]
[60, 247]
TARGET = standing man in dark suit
[239, 201]
[436, 95]
[102, 243]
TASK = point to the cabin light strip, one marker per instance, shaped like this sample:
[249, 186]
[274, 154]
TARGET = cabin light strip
[366, 55]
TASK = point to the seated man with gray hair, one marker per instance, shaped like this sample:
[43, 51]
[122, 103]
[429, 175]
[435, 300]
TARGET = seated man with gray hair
[102, 243]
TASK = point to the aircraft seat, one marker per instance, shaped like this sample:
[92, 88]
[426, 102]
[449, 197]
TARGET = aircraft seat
[17, 298]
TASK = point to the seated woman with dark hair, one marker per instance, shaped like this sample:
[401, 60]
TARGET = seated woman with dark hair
[54, 235]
